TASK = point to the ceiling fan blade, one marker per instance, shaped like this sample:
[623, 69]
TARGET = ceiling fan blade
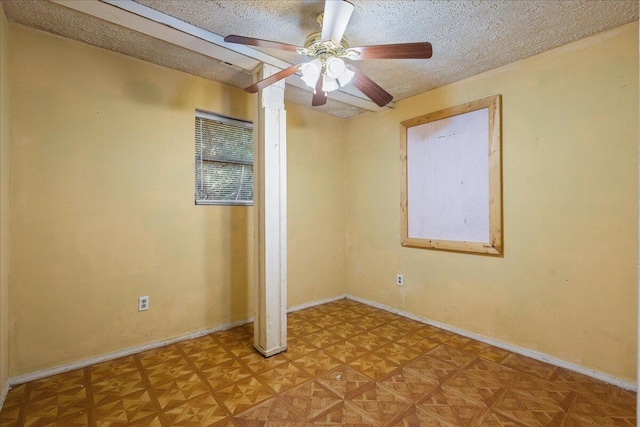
[422, 50]
[273, 78]
[250, 41]
[370, 88]
[319, 96]
[335, 19]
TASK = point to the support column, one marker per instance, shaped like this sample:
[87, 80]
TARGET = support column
[270, 212]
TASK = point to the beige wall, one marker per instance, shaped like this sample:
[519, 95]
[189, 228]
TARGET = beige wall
[102, 196]
[102, 207]
[316, 215]
[4, 203]
[567, 284]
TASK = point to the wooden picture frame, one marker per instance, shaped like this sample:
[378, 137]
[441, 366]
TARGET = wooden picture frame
[451, 179]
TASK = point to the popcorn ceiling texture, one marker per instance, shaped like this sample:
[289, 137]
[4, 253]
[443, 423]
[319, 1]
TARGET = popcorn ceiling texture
[468, 37]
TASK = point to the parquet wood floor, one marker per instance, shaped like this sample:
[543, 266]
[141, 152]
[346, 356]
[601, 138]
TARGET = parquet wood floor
[347, 364]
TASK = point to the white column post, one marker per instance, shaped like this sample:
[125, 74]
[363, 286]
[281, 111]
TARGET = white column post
[270, 212]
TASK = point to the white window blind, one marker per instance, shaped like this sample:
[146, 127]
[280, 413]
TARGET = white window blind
[223, 160]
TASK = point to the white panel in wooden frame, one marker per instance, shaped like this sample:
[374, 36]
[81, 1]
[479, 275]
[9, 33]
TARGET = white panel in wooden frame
[439, 139]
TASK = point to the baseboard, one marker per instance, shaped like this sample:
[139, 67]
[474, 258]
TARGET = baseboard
[315, 303]
[3, 395]
[543, 357]
[21, 379]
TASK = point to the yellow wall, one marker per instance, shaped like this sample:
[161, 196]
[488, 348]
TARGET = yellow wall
[4, 203]
[102, 207]
[102, 197]
[567, 283]
[315, 213]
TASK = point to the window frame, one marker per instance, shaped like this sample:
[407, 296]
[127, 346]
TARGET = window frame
[492, 163]
[228, 120]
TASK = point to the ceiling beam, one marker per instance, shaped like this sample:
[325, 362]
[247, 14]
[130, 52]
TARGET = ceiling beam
[143, 19]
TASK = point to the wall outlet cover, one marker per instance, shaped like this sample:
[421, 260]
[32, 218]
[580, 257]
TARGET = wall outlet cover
[143, 303]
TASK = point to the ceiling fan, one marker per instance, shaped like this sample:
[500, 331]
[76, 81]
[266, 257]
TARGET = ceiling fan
[327, 49]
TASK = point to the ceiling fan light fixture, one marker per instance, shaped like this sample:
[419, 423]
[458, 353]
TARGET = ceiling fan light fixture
[311, 72]
[337, 70]
[337, 75]
[346, 77]
[330, 84]
[335, 67]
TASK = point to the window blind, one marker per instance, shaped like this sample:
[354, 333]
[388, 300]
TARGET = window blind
[223, 160]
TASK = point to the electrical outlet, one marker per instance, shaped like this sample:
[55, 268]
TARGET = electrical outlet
[400, 280]
[143, 303]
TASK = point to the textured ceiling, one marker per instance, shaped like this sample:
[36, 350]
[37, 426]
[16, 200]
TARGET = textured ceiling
[468, 37]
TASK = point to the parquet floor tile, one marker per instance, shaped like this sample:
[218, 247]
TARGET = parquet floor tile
[159, 374]
[200, 411]
[284, 377]
[390, 332]
[73, 420]
[220, 376]
[397, 353]
[345, 351]
[347, 316]
[441, 336]
[201, 345]
[415, 418]
[345, 414]
[496, 420]
[599, 413]
[345, 382]
[273, 412]
[322, 338]
[481, 389]
[370, 322]
[311, 399]
[486, 351]
[159, 356]
[257, 363]
[113, 368]
[244, 394]
[175, 393]
[346, 364]
[381, 402]
[409, 384]
[369, 340]
[431, 368]
[241, 348]
[303, 329]
[345, 330]
[417, 342]
[233, 335]
[450, 407]
[529, 411]
[317, 362]
[208, 359]
[373, 366]
[529, 366]
[297, 347]
[452, 356]
[539, 389]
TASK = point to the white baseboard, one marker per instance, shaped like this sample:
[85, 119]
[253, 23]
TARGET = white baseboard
[543, 357]
[32, 376]
[315, 303]
[3, 395]
[20, 379]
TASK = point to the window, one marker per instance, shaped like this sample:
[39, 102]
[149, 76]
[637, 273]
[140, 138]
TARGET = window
[451, 179]
[223, 160]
